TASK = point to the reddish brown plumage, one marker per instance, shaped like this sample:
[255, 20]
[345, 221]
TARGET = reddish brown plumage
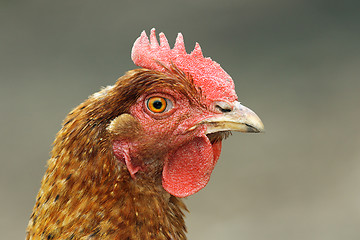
[118, 164]
[87, 192]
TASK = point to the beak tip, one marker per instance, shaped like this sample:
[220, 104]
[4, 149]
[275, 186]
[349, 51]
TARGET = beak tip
[256, 129]
[254, 123]
[261, 128]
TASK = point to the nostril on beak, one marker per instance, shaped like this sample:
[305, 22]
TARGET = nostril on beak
[223, 107]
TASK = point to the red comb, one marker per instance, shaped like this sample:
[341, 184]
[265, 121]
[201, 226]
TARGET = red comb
[215, 83]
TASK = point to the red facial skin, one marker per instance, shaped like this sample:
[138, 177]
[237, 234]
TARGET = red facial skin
[188, 157]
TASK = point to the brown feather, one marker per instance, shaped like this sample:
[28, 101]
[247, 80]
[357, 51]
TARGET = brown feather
[86, 192]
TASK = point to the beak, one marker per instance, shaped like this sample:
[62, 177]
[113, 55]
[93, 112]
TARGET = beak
[237, 118]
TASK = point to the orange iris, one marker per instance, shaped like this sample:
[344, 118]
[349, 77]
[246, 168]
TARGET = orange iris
[156, 104]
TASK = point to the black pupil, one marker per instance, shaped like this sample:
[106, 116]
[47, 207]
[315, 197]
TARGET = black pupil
[157, 104]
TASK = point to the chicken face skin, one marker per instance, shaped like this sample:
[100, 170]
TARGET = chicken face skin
[174, 144]
[154, 149]
[166, 131]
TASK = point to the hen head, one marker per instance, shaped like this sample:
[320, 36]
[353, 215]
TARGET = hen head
[175, 128]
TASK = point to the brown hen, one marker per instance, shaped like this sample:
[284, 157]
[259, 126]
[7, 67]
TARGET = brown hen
[126, 156]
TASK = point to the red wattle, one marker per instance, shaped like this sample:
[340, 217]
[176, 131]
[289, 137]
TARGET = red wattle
[188, 169]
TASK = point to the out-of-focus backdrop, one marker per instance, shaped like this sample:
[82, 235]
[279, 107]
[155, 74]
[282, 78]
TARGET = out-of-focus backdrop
[295, 63]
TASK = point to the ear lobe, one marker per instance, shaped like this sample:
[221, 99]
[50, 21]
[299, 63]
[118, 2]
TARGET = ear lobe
[121, 150]
[123, 129]
[124, 126]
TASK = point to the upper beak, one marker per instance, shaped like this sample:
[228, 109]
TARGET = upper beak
[236, 118]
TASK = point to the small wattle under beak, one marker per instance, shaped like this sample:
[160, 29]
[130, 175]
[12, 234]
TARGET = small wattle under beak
[234, 118]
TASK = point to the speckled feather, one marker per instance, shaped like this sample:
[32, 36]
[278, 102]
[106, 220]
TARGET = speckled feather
[87, 193]
[110, 164]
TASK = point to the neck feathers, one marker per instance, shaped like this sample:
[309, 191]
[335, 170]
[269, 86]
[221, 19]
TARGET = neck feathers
[87, 193]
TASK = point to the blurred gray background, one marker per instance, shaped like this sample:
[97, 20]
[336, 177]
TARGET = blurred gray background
[295, 63]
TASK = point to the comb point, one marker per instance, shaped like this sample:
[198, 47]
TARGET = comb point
[163, 41]
[153, 41]
[197, 51]
[179, 44]
[141, 42]
[143, 39]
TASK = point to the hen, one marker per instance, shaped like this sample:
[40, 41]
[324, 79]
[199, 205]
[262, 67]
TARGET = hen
[126, 156]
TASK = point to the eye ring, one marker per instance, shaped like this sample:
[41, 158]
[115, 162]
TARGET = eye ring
[158, 104]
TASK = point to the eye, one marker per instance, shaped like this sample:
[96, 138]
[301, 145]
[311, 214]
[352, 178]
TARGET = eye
[158, 104]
